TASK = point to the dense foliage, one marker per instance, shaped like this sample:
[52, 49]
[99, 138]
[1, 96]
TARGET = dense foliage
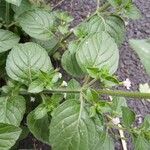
[68, 115]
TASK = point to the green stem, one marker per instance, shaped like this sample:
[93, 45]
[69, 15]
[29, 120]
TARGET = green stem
[104, 7]
[7, 17]
[117, 93]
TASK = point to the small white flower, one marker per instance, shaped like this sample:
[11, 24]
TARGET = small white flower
[32, 99]
[86, 42]
[59, 75]
[64, 83]
[71, 30]
[65, 95]
[116, 121]
[126, 23]
[127, 83]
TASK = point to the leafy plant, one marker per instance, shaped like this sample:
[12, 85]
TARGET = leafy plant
[67, 114]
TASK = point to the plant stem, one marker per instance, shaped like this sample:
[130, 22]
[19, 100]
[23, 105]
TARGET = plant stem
[7, 15]
[104, 7]
[117, 93]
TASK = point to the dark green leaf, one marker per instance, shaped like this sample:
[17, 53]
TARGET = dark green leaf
[128, 116]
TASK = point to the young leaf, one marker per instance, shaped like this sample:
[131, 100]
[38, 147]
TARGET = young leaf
[36, 87]
[69, 61]
[7, 40]
[142, 47]
[12, 110]
[37, 23]
[98, 50]
[24, 59]
[15, 2]
[72, 128]
[38, 123]
[128, 116]
[8, 135]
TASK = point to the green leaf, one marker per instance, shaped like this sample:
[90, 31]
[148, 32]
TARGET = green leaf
[24, 7]
[12, 110]
[111, 24]
[118, 103]
[2, 9]
[15, 2]
[92, 96]
[38, 123]
[107, 143]
[7, 40]
[69, 61]
[141, 143]
[142, 47]
[96, 51]
[49, 45]
[36, 87]
[72, 128]
[25, 60]
[131, 11]
[73, 84]
[128, 116]
[146, 123]
[37, 23]
[8, 135]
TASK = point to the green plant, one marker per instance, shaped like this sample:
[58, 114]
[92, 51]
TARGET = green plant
[73, 115]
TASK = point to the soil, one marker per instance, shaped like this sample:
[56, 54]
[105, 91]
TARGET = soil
[129, 66]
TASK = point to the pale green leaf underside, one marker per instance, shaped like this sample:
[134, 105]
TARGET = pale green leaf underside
[7, 40]
[98, 50]
[37, 23]
[72, 129]
[15, 2]
[39, 127]
[8, 136]
[12, 110]
[26, 59]
[142, 47]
